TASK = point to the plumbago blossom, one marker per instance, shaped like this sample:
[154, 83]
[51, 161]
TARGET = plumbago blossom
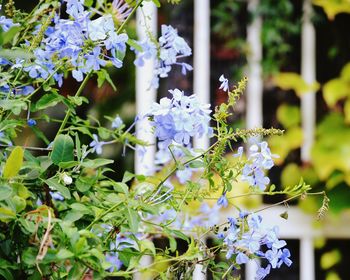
[171, 47]
[176, 121]
[247, 238]
[179, 118]
[6, 23]
[259, 161]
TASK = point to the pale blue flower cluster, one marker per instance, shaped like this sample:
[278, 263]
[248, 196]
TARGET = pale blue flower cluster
[84, 44]
[170, 48]
[6, 23]
[259, 160]
[247, 238]
[179, 118]
[175, 121]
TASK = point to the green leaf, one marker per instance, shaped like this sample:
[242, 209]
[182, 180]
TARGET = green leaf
[290, 175]
[15, 106]
[6, 274]
[64, 254]
[103, 76]
[121, 187]
[6, 214]
[157, 3]
[46, 101]
[19, 203]
[13, 163]
[176, 233]
[147, 245]
[127, 176]
[288, 115]
[88, 3]
[10, 35]
[335, 90]
[134, 45]
[78, 100]
[347, 111]
[73, 216]
[63, 149]
[172, 244]
[55, 185]
[84, 184]
[27, 225]
[29, 256]
[333, 7]
[5, 192]
[95, 163]
[80, 208]
[293, 81]
[133, 219]
[17, 53]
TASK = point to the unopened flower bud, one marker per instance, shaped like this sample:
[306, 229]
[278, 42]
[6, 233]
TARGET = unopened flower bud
[67, 180]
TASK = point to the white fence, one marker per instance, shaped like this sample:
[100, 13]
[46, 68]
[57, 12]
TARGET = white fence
[299, 225]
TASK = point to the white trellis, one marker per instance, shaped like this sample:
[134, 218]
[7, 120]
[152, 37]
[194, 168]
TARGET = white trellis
[299, 225]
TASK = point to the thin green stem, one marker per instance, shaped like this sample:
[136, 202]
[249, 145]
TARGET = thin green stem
[288, 199]
[69, 111]
[99, 217]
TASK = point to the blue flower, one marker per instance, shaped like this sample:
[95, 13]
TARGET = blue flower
[100, 28]
[93, 60]
[260, 159]
[57, 196]
[25, 90]
[222, 201]
[285, 258]
[97, 145]
[31, 122]
[273, 256]
[6, 23]
[261, 273]
[241, 258]
[184, 175]
[117, 122]
[171, 47]
[74, 7]
[121, 10]
[239, 152]
[116, 42]
[224, 83]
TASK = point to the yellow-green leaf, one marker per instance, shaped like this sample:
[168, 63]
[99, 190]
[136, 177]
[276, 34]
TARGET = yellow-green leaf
[347, 111]
[291, 175]
[335, 90]
[293, 81]
[345, 73]
[6, 214]
[288, 115]
[333, 7]
[330, 259]
[13, 163]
